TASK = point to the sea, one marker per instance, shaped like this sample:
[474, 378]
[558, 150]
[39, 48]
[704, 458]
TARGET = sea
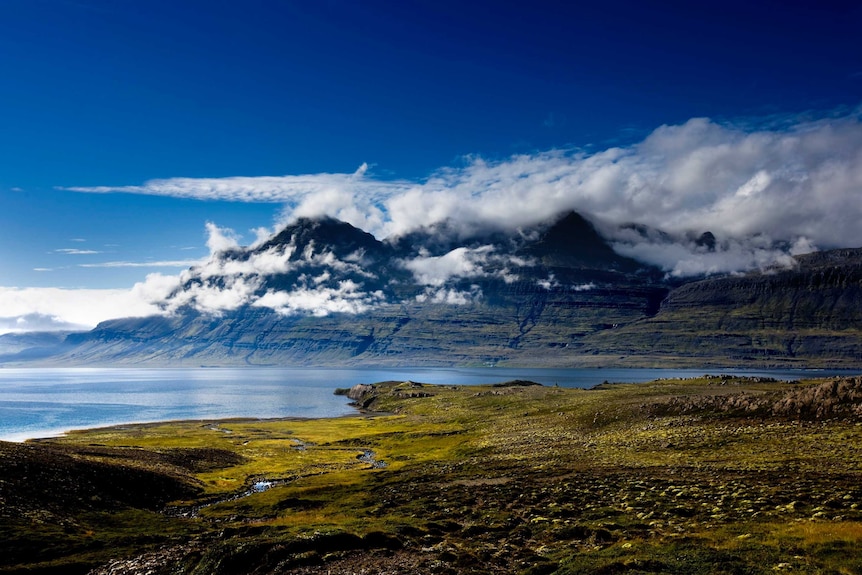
[46, 402]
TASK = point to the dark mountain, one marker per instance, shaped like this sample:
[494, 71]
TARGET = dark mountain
[810, 315]
[322, 292]
[573, 242]
[321, 252]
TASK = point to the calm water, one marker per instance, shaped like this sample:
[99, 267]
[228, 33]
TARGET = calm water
[44, 402]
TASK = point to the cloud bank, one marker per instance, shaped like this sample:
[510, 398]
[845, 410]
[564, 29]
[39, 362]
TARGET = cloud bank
[57, 309]
[799, 181]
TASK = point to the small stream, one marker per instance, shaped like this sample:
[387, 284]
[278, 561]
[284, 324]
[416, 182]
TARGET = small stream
[263, 484]
[370, 458]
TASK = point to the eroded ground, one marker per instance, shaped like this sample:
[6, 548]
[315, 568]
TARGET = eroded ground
[710, 475]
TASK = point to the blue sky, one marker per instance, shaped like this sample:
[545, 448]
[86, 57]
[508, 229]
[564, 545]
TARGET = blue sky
[366, 107]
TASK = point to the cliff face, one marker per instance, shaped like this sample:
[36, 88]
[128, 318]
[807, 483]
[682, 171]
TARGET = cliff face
[811, 314]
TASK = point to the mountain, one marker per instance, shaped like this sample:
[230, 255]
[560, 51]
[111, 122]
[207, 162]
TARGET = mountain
[809, 315]
[322, 292]
[31, 345]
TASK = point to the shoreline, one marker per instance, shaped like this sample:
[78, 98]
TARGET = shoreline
[466, 376]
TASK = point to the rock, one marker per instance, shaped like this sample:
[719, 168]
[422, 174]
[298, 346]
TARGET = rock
[360, 391]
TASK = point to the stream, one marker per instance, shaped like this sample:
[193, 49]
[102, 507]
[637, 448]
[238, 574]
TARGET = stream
[262, 484]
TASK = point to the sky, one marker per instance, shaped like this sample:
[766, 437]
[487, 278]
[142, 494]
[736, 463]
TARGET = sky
[139, 137]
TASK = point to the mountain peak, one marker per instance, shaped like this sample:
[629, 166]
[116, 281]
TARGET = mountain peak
[573, 241]
[328, 233]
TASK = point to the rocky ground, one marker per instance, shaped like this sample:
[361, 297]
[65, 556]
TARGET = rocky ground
[709, 475]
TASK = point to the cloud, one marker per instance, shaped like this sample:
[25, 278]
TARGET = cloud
[793, 181]
[463, 263]
[685, 259]
[312, 195]
[231, 294]
[550, 283]
[458, 263]
[65, 307]
[76, 252]
[221, 239]
[348, 297]
[225, 281]
[37, 322]
[153, 264]
[450, 296]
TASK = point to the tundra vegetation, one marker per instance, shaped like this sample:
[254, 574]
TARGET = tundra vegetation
[715, 474]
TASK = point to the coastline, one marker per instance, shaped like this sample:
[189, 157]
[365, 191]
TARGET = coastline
[94, 398]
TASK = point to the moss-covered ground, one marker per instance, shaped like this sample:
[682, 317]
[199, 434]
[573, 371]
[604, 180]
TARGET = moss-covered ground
[706, 475]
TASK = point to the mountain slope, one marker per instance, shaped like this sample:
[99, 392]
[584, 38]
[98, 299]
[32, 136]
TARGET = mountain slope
[809, 315]
[328, 293]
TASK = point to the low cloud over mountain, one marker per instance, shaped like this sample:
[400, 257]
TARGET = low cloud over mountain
[322, 266]
[765, 191]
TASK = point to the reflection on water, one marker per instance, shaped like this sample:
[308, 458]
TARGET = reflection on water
[43, 402]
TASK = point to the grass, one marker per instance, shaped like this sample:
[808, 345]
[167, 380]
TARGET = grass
[489, 479]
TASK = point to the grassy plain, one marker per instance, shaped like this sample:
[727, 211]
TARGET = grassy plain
[705, 475]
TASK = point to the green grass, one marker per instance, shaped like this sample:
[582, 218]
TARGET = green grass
[489, 479]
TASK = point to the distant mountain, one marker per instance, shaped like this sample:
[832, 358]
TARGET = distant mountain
[322, 292]
[809, 315]
[31, 345]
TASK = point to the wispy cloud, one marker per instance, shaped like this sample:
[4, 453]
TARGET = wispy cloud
[450, 296]
[153, 264]
[37, 322]
[76, 252]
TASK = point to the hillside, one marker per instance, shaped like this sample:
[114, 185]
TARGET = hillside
[708, 475]
[810, 315]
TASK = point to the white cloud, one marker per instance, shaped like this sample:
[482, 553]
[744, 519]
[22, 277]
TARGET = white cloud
[458, 263]
[463, 263]
[450, 296]
[216, 299]
[227, 281]
[81, 307]
[549, 283]
[153, 264]
[683, 259]
[800, 180]
[156, 288]
[76, 252]
[37, 322]
[348, 297]
[262, 234]
[220, 239]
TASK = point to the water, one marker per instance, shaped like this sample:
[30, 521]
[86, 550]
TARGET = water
[47, 402]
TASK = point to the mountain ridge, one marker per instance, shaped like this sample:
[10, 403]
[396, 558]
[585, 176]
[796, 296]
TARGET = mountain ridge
[323, 292]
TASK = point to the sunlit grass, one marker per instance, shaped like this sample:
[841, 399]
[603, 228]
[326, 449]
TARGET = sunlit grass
[586, 480]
